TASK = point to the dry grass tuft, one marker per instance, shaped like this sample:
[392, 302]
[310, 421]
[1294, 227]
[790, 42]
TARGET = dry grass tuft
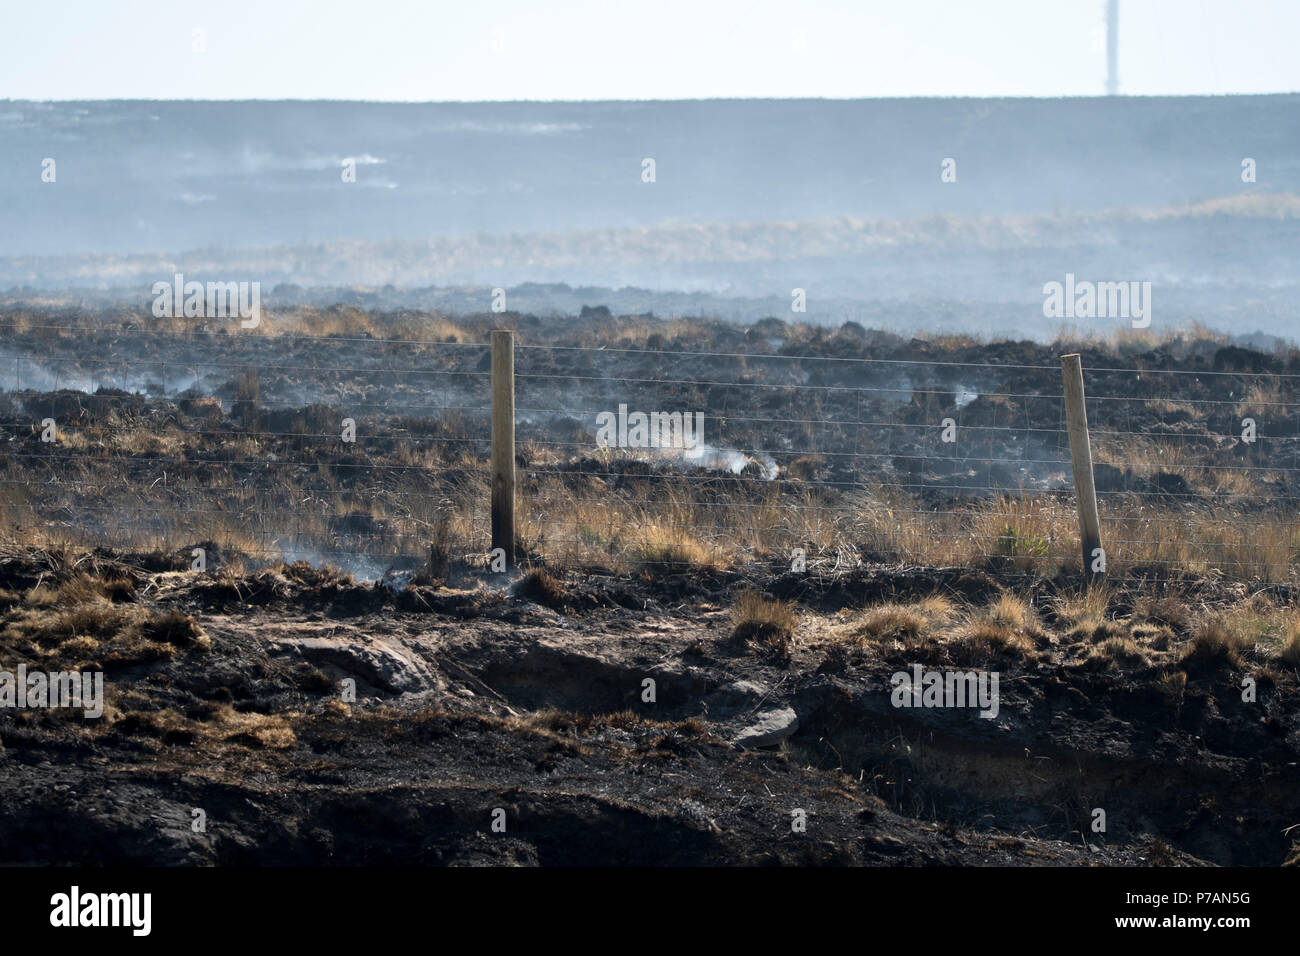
[79, 624]
[1172, 686]
[905, 623]
[675, 547]
[981, 642]
[540, 586]
[175, 628]
[1289, 651]
[765, 623]
[1169, 611]
[1084, 607]
[1014, 612]
[1096, 631]
[1217, 643]
[1122, 651]
[218, 722]
[1158, 637]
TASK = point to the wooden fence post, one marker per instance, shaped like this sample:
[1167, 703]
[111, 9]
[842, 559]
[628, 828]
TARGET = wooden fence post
[503, 443]
[1076, 416]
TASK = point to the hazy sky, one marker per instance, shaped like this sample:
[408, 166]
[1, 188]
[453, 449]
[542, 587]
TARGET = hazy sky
[624, 49]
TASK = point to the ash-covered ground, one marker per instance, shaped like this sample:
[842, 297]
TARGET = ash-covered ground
[526, 703]
[677, 698]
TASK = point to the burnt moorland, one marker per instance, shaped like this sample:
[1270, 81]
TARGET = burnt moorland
[345, 679]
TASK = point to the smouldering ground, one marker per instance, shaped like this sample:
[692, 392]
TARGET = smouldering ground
[226, 693]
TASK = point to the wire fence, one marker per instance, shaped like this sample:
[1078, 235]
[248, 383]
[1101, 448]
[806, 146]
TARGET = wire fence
[940, 468]
[371, 453]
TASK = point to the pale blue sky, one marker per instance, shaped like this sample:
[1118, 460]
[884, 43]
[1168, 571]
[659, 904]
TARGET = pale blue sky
[624, 49]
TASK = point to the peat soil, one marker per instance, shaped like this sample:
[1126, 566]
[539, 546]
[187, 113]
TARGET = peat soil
[831, 405]
[508, 720]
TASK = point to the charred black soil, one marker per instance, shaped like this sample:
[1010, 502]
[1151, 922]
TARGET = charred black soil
[228, 695]
[699, 661]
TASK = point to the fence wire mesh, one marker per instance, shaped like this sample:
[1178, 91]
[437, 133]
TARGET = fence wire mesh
[371, 452]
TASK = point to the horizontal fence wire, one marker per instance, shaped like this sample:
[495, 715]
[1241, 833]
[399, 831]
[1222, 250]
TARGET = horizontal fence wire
[843, 459]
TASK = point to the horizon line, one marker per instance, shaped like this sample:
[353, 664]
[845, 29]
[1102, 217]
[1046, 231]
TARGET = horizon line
[700, 99]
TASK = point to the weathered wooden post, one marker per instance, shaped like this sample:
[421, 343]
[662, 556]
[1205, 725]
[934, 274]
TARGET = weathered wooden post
[503, 443]
[1076, 417]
